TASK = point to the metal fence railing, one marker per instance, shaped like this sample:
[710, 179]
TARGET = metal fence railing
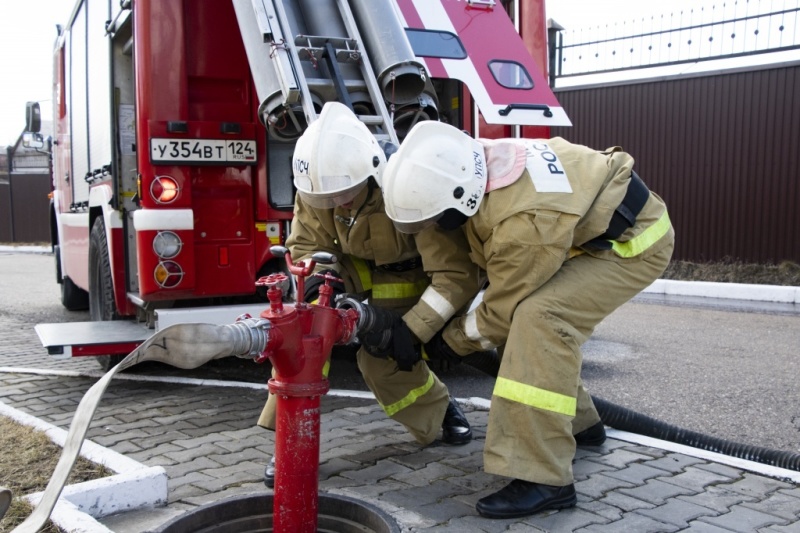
[724, 30]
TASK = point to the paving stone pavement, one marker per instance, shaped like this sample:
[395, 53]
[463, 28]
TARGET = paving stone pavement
[205, 438]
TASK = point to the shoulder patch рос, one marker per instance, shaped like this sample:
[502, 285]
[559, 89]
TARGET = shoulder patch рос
[545, 169]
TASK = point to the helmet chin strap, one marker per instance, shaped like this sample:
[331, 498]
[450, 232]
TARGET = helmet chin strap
[452, 219]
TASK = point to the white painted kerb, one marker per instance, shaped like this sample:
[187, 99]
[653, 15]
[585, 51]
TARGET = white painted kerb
[134, 486]
[733, 291]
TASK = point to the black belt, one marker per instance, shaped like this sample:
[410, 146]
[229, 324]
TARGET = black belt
[624, 216]
[403, 266]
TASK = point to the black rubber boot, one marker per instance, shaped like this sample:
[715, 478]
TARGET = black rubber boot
[593, 436]
[455, 427]
[269, 474]
[522, 498]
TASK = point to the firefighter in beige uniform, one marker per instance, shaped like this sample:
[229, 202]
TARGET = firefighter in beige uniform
[345, 216]
[566, 234]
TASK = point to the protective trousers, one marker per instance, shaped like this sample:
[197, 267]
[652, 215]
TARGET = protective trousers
[539, 402]
[416, 399]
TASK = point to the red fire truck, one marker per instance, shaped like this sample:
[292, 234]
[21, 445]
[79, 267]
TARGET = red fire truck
[175, 121]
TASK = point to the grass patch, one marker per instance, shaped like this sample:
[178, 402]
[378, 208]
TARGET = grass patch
[786, 273]
[27, 460]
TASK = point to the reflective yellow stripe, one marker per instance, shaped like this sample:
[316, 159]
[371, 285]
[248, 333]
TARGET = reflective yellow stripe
[364, 273]
[574, 252]
[644, 240]
[388, 291]
[410, 398]
[535, 397]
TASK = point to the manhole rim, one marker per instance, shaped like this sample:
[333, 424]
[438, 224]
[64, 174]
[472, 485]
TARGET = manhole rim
[328, 502]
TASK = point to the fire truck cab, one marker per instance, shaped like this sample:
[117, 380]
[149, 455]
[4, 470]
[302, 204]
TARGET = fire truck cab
[175, 122]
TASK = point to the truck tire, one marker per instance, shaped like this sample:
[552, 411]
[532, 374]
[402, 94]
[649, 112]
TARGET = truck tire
[57, 254]
[101, 286]
[73, 297]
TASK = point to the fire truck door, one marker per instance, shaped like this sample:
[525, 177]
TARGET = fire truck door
[475, 42]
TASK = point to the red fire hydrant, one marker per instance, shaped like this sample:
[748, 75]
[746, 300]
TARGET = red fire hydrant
[301, 337]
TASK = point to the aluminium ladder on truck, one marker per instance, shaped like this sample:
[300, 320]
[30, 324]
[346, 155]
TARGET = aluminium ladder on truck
[304, 53]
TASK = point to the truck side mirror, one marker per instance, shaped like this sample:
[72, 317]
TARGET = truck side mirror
[33, 117]
[33, 140]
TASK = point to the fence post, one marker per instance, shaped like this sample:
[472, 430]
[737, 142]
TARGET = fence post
[554, 30]
[9, 152]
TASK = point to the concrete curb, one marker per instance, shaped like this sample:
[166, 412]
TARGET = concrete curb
[701, 289]
[25, 249]
[135, 486]
[732, 291]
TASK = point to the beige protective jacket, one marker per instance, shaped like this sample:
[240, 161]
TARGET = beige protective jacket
[365, 232]
[530, 223]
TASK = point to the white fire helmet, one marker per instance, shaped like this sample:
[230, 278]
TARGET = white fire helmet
[334, 158]
[438, 167]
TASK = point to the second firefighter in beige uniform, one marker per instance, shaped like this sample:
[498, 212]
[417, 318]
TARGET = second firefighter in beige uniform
[566, 234]
[339, 209]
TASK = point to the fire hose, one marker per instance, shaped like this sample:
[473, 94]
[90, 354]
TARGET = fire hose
[612, 415]
[297, 339]
[185, 346]
[372, 319]
[624, 419]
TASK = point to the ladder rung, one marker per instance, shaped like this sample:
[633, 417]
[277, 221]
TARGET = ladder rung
[382, 137]
[371, 120]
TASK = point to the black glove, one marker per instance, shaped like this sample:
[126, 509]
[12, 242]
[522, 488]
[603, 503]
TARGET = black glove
[395, 341]
[438, 350]
[313, 283]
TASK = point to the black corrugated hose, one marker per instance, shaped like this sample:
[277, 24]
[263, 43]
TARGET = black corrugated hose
[624, 419]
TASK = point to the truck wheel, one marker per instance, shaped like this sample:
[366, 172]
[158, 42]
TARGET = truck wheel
[73, 297]
[101, 286]
[57, 254]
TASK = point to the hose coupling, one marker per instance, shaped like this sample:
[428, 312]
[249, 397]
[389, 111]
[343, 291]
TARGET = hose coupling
[249, 336]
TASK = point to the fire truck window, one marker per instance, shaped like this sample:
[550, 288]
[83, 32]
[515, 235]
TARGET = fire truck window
[427, 43]
[510, 74]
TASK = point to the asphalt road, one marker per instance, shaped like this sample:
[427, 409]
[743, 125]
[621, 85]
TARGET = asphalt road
[719, 368]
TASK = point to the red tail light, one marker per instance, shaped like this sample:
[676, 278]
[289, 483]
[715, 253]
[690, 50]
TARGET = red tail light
[164, 189]
[168, 274]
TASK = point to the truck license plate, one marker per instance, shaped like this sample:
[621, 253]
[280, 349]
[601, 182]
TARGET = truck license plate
[210, 151]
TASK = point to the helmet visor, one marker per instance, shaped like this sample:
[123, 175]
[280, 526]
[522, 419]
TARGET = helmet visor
[416, 226]
[331, 200]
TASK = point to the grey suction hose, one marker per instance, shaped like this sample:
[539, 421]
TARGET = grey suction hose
[624, 419]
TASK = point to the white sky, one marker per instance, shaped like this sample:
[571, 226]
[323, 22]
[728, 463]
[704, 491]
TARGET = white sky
[27, 34]
[576, 14]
